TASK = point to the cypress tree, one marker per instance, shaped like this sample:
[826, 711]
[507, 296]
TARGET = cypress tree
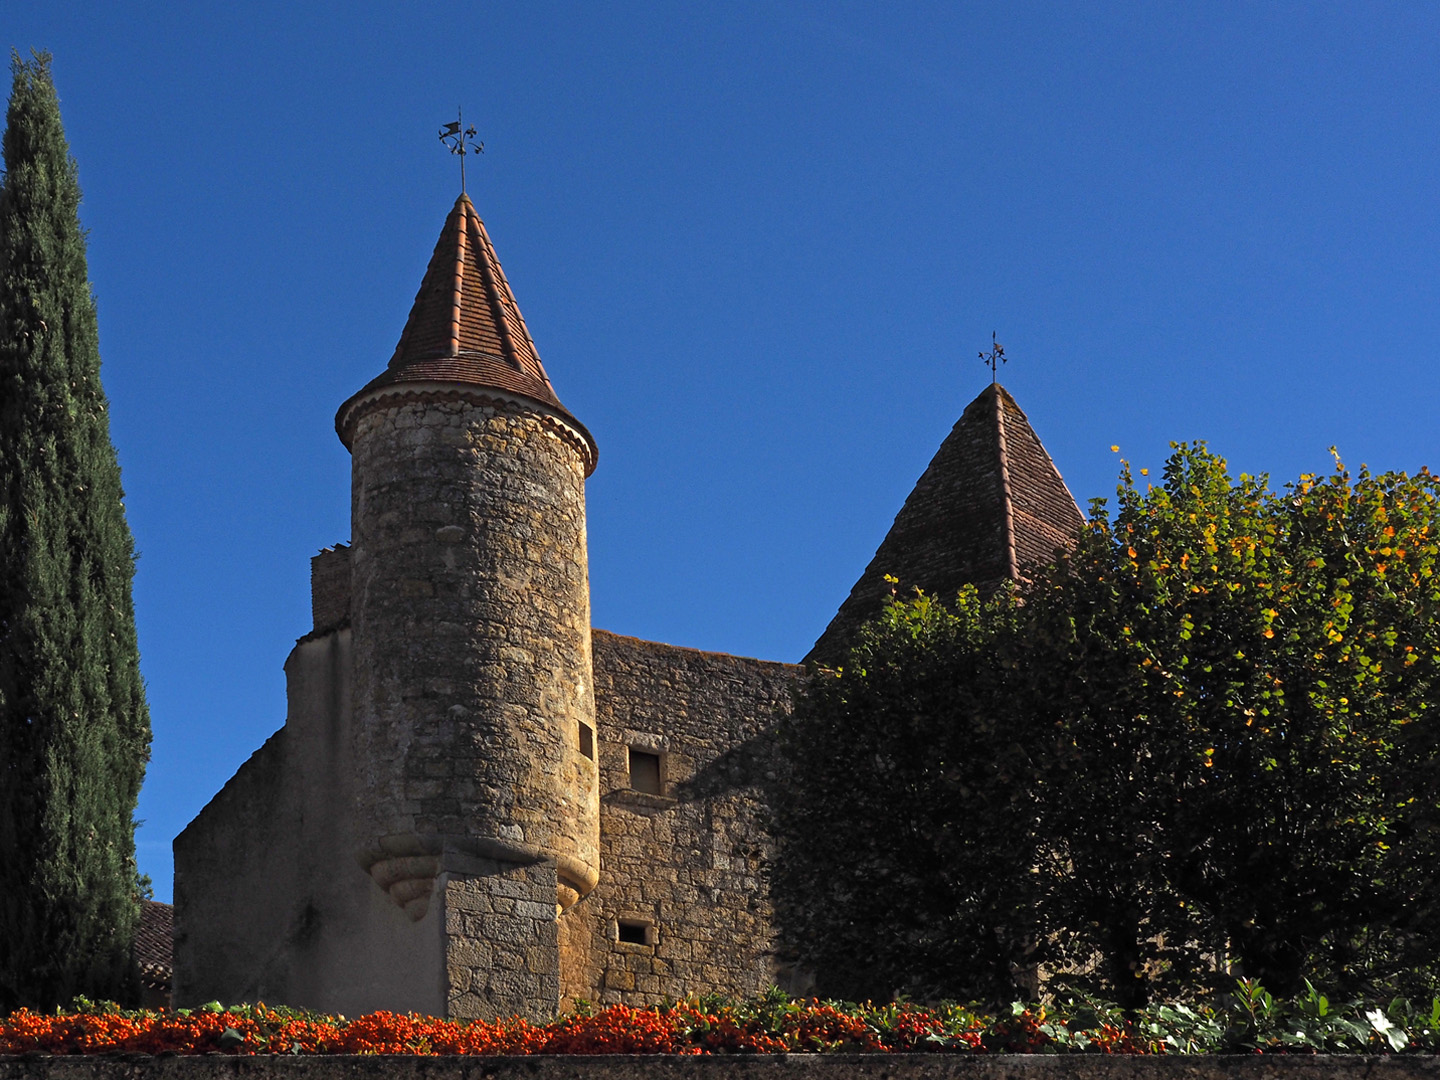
[74, 728]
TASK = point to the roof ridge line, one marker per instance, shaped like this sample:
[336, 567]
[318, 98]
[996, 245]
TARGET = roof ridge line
[505, 328]
[1006, 501]
[458, 293]
[488, 263]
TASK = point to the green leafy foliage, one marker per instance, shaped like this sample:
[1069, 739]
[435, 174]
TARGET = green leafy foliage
[1218, 751]
[906, 832]
[74, 729]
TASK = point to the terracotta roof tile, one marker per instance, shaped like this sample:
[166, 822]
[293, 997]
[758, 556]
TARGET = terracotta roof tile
[990, 504]
[465, 326]
[154, 947]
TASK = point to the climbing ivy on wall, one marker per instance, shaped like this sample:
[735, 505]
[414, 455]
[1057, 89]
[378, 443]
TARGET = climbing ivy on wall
[1204, 739]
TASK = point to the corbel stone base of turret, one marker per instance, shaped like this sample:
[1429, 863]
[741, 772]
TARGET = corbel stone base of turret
[407, 865]
[500, 917]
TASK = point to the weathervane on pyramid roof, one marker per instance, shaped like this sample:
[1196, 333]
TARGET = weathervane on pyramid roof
[994, 358]
[461, 140]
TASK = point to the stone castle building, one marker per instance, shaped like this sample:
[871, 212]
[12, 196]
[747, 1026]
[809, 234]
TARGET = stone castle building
[479, 805]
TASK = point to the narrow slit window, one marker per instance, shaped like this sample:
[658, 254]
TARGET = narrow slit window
[645, 771]
[632, 932]
[587, 741]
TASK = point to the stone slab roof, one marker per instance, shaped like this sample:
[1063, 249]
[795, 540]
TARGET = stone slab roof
[990, 504]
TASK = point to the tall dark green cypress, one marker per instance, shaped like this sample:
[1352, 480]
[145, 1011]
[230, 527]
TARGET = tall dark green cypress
[74, 728]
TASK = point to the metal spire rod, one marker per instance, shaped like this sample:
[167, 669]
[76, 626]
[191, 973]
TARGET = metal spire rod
[994, 358]
[461, 140]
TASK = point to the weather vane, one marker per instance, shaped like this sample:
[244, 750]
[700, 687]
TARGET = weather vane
[994, 358]
[462, 141]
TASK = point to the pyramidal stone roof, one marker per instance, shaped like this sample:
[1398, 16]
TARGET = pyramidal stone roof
[465, 327]
[990, 504]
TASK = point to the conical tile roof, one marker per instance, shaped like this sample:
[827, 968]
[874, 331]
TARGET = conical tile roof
[990, 504]
[465, 327]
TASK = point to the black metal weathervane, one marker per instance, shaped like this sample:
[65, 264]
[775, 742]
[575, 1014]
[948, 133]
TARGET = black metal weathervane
[994, 358]
[461, 140]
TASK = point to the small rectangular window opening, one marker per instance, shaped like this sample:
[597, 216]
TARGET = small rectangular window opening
[632, 932]
[645, 771]
[587, 741]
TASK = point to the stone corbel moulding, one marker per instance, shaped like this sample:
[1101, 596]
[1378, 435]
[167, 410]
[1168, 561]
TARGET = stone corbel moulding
[406, 866]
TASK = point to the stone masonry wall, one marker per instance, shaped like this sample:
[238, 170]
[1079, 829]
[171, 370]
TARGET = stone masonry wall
[471, 613]
[501, 944]
[330, 588]
[681, 869]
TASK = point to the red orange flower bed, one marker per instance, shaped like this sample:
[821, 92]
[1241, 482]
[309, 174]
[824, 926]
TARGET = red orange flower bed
[1248, 1019]
[683, 1028]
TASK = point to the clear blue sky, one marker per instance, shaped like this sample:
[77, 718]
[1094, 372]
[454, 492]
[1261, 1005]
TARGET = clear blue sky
[758, 245]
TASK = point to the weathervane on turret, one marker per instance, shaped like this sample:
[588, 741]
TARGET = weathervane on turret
[461, 140]
[994, 358]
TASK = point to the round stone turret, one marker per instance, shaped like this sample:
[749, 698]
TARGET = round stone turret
[470, 602]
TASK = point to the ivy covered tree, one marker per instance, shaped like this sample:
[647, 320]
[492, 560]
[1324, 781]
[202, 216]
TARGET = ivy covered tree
[906, 825]
[1207, 736]
[74, 728]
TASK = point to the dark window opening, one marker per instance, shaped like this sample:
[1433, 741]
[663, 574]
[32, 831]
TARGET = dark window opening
[631, 932]
[587, 741]
[644, 771]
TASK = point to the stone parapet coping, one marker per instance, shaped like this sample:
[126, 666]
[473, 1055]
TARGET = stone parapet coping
[724, 1067]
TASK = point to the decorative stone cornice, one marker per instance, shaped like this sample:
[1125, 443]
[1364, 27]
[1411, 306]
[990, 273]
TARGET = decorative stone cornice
[406, 865]
[378, 397]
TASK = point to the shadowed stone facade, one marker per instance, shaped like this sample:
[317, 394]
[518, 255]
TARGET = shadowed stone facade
[479, 805]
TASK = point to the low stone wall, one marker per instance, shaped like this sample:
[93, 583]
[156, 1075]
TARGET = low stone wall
[759, 1067]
